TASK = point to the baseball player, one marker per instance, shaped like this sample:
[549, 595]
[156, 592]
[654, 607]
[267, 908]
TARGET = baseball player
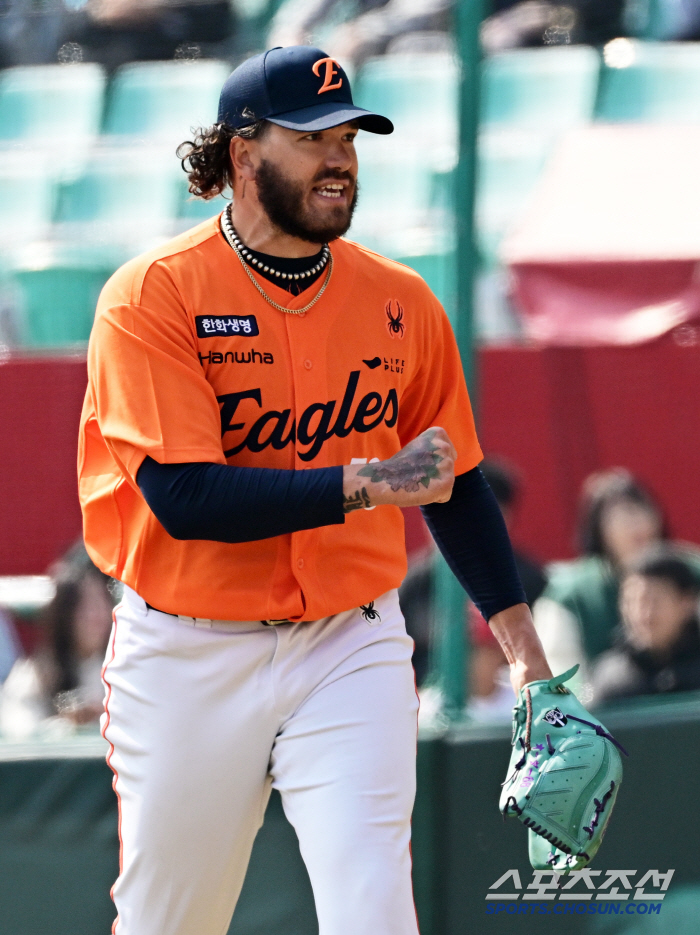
[263, 397]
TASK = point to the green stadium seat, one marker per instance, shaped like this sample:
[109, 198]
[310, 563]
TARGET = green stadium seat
[56, 302]
[399, 212]
[510, 164]
[440, 272]
[50, 102]
[133, 190]
[56, 107]
[164, 99]
[397, 173]
[412, 89]
[27, 194]
[548, 89]
[192, 210]
[529, 98]
[650, 82]
[390, 174]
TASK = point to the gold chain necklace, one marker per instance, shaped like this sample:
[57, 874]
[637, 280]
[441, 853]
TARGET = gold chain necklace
[228, 232]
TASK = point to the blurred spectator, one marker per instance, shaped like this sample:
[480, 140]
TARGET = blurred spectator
[578, 612]
[503, 481]
[488, 680]
[491, 694]
[61, 682]
[546, 22]
[658, 647]
[114, 32]
[377, 26]
[29, 31]
[416, 600]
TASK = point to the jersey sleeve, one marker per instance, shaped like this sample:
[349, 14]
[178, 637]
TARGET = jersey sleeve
[437, 394]
[149, 393]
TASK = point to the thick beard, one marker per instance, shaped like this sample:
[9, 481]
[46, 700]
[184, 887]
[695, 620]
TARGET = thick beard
[283, 200]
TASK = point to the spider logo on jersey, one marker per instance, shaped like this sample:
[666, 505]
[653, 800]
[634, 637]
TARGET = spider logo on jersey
[395, 322]
[370, 613]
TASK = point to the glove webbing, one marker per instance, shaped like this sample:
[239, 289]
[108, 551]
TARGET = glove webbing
[599, 809]
[538, 829]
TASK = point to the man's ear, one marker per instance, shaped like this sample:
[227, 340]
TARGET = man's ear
[241, 158]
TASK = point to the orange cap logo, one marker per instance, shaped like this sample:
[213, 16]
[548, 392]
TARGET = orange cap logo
[329, 74]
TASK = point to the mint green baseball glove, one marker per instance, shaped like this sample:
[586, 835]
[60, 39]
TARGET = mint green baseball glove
[564, 775]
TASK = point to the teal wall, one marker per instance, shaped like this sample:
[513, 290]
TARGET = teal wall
[58, 841]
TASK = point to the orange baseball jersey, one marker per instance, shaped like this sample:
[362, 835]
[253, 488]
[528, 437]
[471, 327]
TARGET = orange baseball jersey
[188, 362]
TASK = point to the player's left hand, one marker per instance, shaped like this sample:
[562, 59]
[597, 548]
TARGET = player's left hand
[564, 775]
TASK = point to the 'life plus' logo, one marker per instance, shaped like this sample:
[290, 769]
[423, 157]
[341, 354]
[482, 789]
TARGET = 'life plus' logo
[316, 423]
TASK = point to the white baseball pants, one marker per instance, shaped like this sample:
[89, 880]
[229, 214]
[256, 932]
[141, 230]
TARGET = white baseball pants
[202, 722]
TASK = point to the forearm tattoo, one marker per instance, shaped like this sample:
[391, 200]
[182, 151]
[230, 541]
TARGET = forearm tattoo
[416, 464]
[359, 501]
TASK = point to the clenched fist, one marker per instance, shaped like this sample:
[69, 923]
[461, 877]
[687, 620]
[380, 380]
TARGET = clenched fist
[422, 472]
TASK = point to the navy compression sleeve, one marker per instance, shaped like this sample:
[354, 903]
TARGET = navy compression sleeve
[202, 500]
[470, 532]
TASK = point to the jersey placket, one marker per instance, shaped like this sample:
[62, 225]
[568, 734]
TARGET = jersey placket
[310, 385]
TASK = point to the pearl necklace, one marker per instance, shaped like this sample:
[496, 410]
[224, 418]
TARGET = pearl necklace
[246, 258]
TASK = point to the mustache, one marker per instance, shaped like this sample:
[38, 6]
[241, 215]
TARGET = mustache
[339, 175]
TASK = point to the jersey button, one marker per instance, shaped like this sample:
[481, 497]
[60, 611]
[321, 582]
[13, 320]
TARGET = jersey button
[308, 364]
[300, 563]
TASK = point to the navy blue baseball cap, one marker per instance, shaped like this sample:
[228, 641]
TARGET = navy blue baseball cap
[298, 87]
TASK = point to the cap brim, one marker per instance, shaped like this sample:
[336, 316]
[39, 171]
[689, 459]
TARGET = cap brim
[332, 114]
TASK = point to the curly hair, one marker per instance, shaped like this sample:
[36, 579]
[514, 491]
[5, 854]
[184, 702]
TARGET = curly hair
[206, 158]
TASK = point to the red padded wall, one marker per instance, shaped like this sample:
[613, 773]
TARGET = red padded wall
[40, 402]
[559, 413]
[556, 414]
